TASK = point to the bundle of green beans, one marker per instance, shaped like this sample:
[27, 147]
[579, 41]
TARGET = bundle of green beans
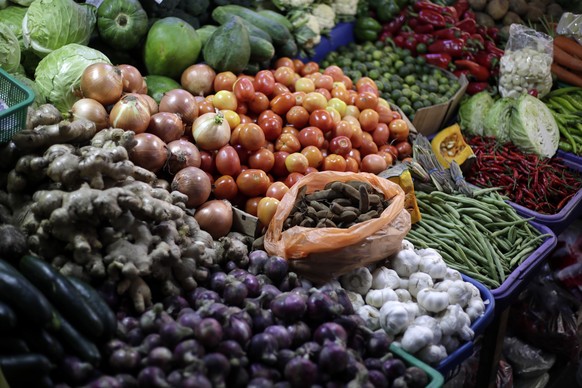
[481, 236]
[566, 106]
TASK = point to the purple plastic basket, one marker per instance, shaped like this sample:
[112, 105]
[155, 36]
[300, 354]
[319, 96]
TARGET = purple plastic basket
[451, 365]
[520, 276]
[569, 213]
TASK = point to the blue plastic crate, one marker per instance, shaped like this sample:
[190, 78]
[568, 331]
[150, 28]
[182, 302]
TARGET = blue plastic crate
[450, 366]
[341, 35]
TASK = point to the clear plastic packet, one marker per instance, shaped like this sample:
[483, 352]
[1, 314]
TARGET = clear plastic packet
[526, 65]
[570, 25]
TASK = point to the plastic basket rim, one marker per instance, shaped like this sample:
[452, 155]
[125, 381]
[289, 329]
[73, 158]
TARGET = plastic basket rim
[453, 360]
[437, 380]
[22, 104]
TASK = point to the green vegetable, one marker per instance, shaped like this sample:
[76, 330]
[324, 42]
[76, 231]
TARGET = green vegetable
[473, 111]
[497, 120]
[222, 15]
[158, 85]
[171, 46]
[58, 75]
[9, 49]
[276, 16]
[228, 49]
[12, 17]
[261, 49]
[43, 27]
[367, 29]
[278, 32]
[205, 32]
[533, 127]
[122, 23]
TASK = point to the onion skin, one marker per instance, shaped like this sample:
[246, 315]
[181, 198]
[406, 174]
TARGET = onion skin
[182, 102]
[211, 131]
[102, 82]
[167, 126]
[130, 113]
[193, 182]
[182, 154]
[149, 101]
[198, 79]
[150, 152]
[215, 217]
[132, 79]
[92, 110]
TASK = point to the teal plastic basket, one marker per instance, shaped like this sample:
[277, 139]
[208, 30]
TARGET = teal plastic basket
[15, 99]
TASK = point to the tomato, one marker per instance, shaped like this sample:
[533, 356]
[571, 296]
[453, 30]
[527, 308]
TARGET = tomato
[227, 161]
[366, 100]
[244, 119]
[271, 128]
[352, 111]
[292, 130]
[207, 162]
[298, 65]
[251, 205]
[287, 142]
[368, 146]
[310, 67]
[399, 130]
[280, 89]
[321, 119]
[335, 116]
[279, 169]
[365, 81]
[404, 149]
[299, 98]
[242, 108]
[396, 115]
[259, 103]
[373, 163]
[335, 72]
[384, 113]
[205, 107]
[266, 209]
[285, 61]
[304, 84]
[282, 103]
[390, 149]
[253, 182]
[353, 95]
[338, 105]
[355, 154]
[314, 76]
[243, 154]
[251, 136]
[369, 89]
[334, 162]
[285, 75]
[324, 92]
[340, 145]
[324, 82]
[381, 134]
[387, 157]
[313, 155]
[225, 188]
[262, 159]
[265, 82]
[297, 116]
[296, 162]
[310, 169]
[352, 165]
[343, 128]
[340, 93]
[314, 101]
[311, 136]
[277, 190]
[357, 137]
[293, 178]
[231, 117]
[224, 81]
[243, 89]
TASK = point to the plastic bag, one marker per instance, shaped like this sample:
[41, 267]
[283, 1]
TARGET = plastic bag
[570, 25]
[324, 253]
[526, 360]
[526, 65]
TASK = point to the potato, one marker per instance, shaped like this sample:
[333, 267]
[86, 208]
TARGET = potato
[537, 4]
[510, 18]
[477, 5]
[484, 20]
[497, 8]
[534, 14]
[518, 6]
[554, 11]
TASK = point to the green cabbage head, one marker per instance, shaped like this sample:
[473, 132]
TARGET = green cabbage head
[51, 24]
[497, 121]
[9, 49]
[12, 16]
[473, 111]
[58, 75]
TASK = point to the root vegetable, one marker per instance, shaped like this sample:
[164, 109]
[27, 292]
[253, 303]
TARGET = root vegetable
[45, 114]
[484, 19]
[511, 18]
[554, 11]
[535, 13]
[497, 8]
[78, 131]
[477, 5]
[520, 7]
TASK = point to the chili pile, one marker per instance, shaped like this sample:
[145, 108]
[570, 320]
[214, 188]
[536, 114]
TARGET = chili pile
[543, 185]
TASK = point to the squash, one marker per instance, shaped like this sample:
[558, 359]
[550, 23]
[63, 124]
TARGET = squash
[228, 48]
[401, 176]
[449, 145]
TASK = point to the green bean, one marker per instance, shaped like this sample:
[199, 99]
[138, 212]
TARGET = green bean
[487, 190]
[500, 232]
[502, 244]
[451, 210]
[486, 251]
[518, 258]
[465, 258]
[508, 223]
[462, 199]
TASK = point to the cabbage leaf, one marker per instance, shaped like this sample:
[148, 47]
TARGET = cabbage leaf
[51, 24]
[58, 75]
[9, 49]
[533, 127]
[473, 111]
[497, 120]
[12, 16]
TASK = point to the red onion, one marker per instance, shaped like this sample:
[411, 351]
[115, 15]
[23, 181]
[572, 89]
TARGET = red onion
[193, 182]
[182, 154]
[167, 126]
[182, 102]
[215, 217]
[150, 152]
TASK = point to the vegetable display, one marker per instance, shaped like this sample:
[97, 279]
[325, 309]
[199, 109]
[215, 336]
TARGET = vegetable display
[543, 185]
[565, 107]
[402, 79]
[482, 236]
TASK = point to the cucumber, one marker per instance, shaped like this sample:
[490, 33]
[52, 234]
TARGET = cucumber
[277, 17]
[26, 299]
[41, 341]
[64, 296]
[98, 304]
[8, 318]
[229, 47]
[279, 33]
[261, 49]
[221, 16]
[12, 346]
[77, 344]
[24, 368]
[288, 49]
[205, 32]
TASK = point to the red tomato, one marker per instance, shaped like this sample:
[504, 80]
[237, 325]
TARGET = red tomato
[205, 107]
[373, 163]
[322, 119]
[285, 61]
[310, 67]
[253, 182]
[340, 145]
[279, 169]
[311, 136]
[265, 82]
[225, 188]
[251, 136]
[355, 154]
[280, 89]
[277, 190]
[296, 162]
[243, 153]
[224, 81]
[285, 76]
[288, 143]
[293, 178]
[262, 159]
[352, 165]
[324, 82]
[313, 155]
[227, 161]
[387, 157]
[298, 65]
[291, 130]
[259, 103]
[251, 205]
[271, 127]
[244, 89]
[335, 72]
[381, 134]
[404, 149]
[366, 100]
[324, 92]
[384, 113]
[334, 162]
[207, 161]
[399, 130]
[282, 103]
[297, 116]
[368, 146]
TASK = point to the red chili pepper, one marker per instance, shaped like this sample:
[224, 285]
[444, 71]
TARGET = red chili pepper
[476, 87]
[454, 47]
[431, 17]
[533, 92]
[447, 33]
[384, 35]
[468, 15]
[487, 59]
[467, 25]
[441, 60]
[468, 56]
[410, 44]
[459, 73]
[493, 33]
[412, 22]
[492, 48]
[450, 20]
[394, 25]
[461, 6]
[423, 4]
[424, 38]
[399, 40]
[424, 28]
[478, 38]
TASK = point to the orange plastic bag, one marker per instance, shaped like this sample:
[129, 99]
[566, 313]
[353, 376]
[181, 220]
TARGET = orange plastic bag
[325, 253]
